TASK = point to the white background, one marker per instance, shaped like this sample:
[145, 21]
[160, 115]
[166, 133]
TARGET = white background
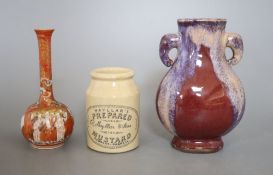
[90, 34]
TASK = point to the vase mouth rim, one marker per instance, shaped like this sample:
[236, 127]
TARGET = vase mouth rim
[112, 73]
[44, 31]
[211, 20]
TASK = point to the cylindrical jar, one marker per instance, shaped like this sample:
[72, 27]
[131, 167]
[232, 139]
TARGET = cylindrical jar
[112, 107]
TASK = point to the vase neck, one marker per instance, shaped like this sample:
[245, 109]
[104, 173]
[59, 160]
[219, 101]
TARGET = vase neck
[44, 44]
[207, 24]
[206, 32]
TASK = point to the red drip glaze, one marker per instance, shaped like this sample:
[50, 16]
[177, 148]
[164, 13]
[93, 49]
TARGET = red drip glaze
[203, 109]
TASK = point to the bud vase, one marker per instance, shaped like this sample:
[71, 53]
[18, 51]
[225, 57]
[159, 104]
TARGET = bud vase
[200, 99]
[47, 123]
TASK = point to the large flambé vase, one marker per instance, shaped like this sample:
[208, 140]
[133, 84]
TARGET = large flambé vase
[200, 99]
[47, 123]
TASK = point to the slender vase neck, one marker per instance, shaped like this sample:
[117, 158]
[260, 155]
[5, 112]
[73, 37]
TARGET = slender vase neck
[44, 44]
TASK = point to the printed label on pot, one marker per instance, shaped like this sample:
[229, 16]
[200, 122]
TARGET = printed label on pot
[112, 126]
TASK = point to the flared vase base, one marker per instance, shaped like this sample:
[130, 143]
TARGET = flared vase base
[46, 146]
[197, 145]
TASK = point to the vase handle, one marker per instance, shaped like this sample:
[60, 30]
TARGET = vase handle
[168, 42]
[235, 43]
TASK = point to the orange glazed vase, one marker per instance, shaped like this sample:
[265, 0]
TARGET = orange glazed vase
[47, 123]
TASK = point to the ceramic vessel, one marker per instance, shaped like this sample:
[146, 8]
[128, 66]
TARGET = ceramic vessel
[112, 107]
[47, 123]
[200, 99]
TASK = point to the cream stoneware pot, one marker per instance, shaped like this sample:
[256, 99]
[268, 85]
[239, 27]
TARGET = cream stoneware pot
[112, 107]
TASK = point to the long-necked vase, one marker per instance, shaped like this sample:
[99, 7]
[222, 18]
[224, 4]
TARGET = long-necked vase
[47, 123]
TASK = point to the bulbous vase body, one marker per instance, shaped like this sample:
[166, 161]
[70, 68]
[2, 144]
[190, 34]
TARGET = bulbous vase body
[200, 99]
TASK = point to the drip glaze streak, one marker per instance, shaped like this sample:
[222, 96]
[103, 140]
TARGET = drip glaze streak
[203, 110]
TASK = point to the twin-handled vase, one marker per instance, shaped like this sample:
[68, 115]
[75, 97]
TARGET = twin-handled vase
[200, 99]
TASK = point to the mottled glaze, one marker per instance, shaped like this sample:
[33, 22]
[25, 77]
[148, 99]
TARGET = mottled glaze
[47, 123]
[200, 98]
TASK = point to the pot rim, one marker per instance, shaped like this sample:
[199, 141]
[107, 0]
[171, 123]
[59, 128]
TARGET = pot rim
[182, 20]
[112, 73]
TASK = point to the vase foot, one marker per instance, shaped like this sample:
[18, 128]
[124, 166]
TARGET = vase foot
[197, 145]
[46, 146]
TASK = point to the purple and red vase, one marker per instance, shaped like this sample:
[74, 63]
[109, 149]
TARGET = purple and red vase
[200, 99]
